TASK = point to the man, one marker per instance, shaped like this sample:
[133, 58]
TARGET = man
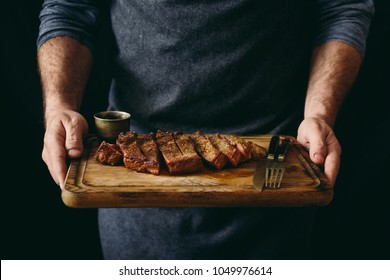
[229, 66]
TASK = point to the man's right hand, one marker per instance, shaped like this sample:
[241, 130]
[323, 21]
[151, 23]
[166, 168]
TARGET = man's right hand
[64, 135]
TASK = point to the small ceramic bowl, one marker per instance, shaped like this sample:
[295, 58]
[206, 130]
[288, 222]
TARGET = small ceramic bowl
[110, 123]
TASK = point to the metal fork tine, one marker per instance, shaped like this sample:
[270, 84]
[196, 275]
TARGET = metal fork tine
[274, 182]
[277, 174]
[272, 149]
[281, 176]
[276, 177]
[272, 177]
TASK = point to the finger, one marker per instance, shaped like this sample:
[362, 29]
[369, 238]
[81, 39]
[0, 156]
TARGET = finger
[54, 155]
[317, 148]
[332, 163]
[74, 139]
[315, 143]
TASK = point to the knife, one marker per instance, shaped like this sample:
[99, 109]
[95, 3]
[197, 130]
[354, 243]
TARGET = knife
[259, 176]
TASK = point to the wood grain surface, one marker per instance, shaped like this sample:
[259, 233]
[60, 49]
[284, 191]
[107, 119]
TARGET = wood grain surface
[90, 184]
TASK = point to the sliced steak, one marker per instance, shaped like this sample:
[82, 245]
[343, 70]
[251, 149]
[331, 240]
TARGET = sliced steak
[233, 155]
[179, 154]
[126, 138]
[109, 154]
[190, 158]
[207, 150]
[240, 144]
[169, 150]
[149, 148]
[257, 152]
[133, 157]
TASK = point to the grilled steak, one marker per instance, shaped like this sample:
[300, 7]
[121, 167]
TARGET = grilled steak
[178, 153]
[240, 144]
[126, 138]
[207, 150]
[181, 153]
[185, 145]
[191, 159]
[133, 157]
[233, 155]
[257, 152]
[109, 154]
[139, 153]
[149, 148]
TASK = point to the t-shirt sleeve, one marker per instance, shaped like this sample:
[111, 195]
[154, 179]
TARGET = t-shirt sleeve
[344, 20]
[78, 19]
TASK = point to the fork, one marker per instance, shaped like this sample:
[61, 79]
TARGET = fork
[275, 169]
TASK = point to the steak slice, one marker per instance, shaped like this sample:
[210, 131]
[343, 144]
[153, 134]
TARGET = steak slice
[109, 154]
[207, 150]
[149, 148]
[240, 144]
[190, 158]
[257, 152]
[133, 157]
[177, 153]
[233, 155]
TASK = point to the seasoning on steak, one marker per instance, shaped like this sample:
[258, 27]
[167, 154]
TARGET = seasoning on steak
[149, 148]
[240, 144]
[185, 145]
[233, 155]
[179, 154]
[208, 152]
[191, 159]
[109, 154]
[133, 157]
[257, 152]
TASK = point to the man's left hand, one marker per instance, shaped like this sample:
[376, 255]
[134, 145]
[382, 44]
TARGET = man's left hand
[324, 148]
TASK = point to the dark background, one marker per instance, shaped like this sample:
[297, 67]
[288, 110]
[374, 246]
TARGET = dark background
[35, 224]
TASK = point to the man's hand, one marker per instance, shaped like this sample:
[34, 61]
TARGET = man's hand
[64, 66]
[63, 138]
[334, 67]
[324, 148]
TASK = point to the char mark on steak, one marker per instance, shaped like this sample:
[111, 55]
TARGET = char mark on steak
[191, 159]
[139, 153]
[126, 138]
[181, 153]
[149, 148]
[240, 144]
[178, 153]
[233, 155]
[257, 152]
[109, 154]
[207, 150]
[133, 157]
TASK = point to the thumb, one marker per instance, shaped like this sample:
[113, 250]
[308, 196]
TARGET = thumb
[74, 141]
[74, 145]
[317, 150]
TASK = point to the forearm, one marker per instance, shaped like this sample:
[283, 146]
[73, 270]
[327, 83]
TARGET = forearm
[64, 66]
[334, 68]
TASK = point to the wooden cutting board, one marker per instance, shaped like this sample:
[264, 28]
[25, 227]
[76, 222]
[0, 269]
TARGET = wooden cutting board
[93, 185]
